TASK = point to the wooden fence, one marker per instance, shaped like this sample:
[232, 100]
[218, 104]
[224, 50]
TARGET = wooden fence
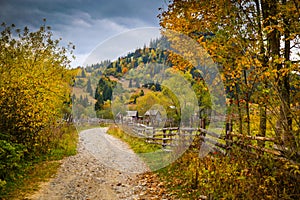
[194, 137]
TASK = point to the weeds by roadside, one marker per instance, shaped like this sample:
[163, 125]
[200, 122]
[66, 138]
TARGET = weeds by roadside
[30, 173]
[235, 176]
[238, 176]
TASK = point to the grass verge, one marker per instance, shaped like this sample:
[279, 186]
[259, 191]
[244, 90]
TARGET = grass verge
[238, 176]
[138, 145]
[152, 154]
[41, 169]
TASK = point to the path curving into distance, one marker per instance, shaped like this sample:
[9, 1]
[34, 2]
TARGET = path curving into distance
[104, 168]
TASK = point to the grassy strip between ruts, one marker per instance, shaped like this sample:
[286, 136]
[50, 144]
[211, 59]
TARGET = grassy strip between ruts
[40, 170]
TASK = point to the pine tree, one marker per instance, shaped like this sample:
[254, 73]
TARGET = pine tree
[107, 93]
[85, 102]
[83, 75]
[99, 103]
[89, 88]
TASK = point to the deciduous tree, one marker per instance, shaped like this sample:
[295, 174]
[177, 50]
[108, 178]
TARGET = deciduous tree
[253, 42]
[34, 85]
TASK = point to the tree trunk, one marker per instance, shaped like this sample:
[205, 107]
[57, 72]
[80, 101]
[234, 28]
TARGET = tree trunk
[270, 10]
[262, 123]
[247, 99]
[239, 109]
[263, 59]
[286, 101]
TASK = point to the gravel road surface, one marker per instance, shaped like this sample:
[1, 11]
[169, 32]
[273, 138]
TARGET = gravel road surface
[104, 168]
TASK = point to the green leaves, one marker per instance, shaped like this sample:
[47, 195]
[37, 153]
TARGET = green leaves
[10, 156]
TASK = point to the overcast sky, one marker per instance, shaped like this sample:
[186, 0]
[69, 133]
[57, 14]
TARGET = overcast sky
[86, 23]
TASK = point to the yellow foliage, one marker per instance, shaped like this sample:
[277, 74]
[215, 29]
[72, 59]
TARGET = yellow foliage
[34, 84]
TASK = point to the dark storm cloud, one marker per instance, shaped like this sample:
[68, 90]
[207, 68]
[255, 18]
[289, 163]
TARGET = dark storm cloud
[83, 22]
[32, 11]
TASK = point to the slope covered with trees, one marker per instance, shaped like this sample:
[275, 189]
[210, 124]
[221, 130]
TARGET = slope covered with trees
[145, 71]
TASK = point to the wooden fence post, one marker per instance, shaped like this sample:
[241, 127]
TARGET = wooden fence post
[228, 128]
[164, 141]
[202, 123]
[228, 131]
[171, 136]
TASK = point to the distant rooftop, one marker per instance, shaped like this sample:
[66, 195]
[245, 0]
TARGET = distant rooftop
[130, 113]
[151, 112]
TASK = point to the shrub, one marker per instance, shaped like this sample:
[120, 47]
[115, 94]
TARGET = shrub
[10, 157]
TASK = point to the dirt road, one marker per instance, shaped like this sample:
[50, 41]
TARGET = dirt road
[104, 168]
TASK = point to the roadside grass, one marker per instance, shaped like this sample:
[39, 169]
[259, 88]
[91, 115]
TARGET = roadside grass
[138, 145]
[152, 154]
[238, 175]
[30, 180]
[34, 173]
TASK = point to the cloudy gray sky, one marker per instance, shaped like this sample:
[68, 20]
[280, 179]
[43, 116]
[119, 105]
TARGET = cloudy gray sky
[86, 23]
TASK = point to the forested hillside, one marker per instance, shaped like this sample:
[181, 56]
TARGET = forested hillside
[135, 79]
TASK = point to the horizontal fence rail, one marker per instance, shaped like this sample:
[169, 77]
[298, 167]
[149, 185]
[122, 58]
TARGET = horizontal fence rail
[195, 137]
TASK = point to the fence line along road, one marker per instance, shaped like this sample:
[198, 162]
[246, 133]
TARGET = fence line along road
[194, 137]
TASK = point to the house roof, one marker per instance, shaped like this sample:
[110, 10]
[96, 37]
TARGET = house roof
[152, 112]
[130, 113]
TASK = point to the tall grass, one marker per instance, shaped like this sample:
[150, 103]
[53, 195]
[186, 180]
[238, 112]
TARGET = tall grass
[30, 173]
[238, 176]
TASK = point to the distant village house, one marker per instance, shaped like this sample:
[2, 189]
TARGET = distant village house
[153, 117]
